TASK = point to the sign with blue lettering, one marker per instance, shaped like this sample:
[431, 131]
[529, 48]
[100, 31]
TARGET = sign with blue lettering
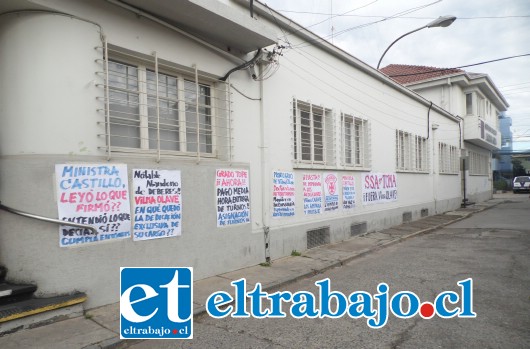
[283, 194]
[348, 192]
[157, 204]
[156, 303]
[93, 194]
[331, 192]
[233, 197]
[312, 185]
[379, 188]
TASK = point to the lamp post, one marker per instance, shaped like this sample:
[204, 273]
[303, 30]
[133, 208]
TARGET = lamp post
[443, 21]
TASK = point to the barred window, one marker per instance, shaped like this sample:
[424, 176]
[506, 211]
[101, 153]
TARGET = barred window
[479, 164]
[355, 141]
[152, 107]
[411, 152]
[312, 134]
[448, 158]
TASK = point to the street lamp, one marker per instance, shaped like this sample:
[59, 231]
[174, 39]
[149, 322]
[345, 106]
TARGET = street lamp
[443, 21]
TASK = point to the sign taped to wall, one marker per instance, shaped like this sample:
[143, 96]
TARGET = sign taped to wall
[331, 192]
[157, 204]
[379, 188]
[93, 194]
[283, 194]
[312, 184]
[233, 197]
[348, 192]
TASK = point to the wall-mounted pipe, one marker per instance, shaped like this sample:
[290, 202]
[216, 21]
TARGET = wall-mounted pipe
[46, 219]
[243, 66]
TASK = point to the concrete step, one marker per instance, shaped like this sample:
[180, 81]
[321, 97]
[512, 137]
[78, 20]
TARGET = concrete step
[37, 311]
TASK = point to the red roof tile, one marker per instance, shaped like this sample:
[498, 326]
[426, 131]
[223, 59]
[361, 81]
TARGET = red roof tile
[406, 74]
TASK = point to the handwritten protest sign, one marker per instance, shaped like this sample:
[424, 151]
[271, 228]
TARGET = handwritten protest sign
[233, 197]
[379, 188]
[283, 194]
[157, 204]
[93, 194]
[348, 192]
[331, 192]
[312, 184]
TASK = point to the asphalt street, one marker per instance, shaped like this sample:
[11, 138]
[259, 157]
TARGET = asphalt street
[491, 247]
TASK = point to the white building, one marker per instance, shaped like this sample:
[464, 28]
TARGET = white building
[476, 99]
[113, 114]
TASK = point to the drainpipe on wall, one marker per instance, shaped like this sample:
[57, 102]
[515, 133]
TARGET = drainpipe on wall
[265, 214]
[434, 186]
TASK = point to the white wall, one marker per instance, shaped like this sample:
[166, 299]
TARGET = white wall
[49, 116]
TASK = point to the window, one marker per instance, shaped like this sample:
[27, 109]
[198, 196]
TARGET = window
[481, 104]
[168, 112]
[312, 134]
[411, 152]
[355, 142]
[469, 103]
[478, 164]
[448, 159]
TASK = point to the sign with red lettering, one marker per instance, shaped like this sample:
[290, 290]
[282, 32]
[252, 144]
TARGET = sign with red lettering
[157, 201]
[233, 197]
[379, 188]
[312, 184]
[96, 195]
[331, 192]
[283, 194]
[348, 192]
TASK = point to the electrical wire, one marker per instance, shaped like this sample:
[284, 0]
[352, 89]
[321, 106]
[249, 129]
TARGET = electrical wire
[327, 91]
[305, 54]
[396, 15]
[244, 95]
[405, 17]
[333, 16]
[462, 66]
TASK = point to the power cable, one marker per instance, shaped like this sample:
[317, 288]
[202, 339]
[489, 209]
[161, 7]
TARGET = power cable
[396, 15]
[405, 17]
[462, 66]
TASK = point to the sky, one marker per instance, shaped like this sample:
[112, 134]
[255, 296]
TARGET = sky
[484, 30]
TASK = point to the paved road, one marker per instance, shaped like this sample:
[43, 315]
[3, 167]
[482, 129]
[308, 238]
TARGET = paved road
[491, 247]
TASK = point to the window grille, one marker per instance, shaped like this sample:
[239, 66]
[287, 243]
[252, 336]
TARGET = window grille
[313, 134]
[412, 153]
[448, 159]
[152, 106]
[479, 164]
[355, 142]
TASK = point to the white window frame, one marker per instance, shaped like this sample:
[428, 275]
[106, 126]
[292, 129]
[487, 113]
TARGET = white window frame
[207, 103]
[449, 158]
[312, 138]
[479, 164]
[469, 107]
[412, 153]
[355, 142]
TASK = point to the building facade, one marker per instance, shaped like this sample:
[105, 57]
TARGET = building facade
[474, 98]
[198, 133]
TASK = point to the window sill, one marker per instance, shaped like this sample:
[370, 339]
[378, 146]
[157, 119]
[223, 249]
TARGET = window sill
[163, 153]
[449, 173]
[413, 172]
[304, 166]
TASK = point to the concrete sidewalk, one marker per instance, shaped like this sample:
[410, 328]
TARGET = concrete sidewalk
[99, 328]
